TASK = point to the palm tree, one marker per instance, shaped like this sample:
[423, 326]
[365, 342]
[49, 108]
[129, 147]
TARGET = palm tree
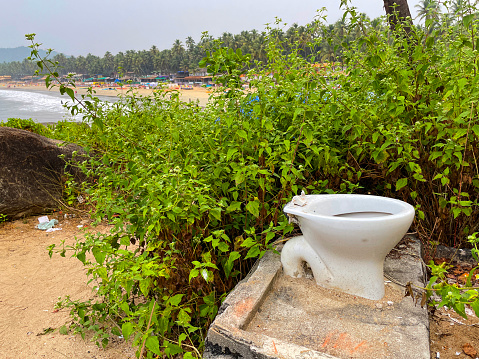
[108, 63]
[177, 52]
[428, 9]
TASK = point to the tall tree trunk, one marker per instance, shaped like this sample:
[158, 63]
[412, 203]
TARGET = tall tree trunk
[398, 12]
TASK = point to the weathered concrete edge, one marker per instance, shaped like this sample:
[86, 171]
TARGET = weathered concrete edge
[227, 340]
[411, 268]
[223, 344]
[226, 337]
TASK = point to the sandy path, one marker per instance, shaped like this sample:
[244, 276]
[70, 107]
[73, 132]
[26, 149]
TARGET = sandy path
[30, 284]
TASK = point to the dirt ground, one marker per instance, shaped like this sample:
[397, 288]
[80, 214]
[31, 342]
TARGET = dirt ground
[31, 283]
[453, 336]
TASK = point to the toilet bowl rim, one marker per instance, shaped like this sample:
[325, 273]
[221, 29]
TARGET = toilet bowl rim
[406, 210]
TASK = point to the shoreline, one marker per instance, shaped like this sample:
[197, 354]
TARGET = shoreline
[196, 94]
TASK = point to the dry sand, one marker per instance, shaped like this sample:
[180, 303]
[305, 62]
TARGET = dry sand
[31, 284]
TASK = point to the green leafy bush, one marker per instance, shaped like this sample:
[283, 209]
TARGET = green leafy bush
[28, 125]
[196, 195]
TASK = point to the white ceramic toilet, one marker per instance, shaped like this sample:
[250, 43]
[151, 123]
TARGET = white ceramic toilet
[345, 240]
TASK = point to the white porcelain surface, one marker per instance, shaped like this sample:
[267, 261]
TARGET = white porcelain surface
[345, 240]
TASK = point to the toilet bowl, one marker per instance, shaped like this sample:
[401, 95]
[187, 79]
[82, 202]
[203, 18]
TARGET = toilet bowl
[345, 240]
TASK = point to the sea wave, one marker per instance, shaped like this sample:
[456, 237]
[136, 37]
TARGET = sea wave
[38, 105]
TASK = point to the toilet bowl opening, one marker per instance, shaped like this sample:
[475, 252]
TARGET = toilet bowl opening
[364, 214]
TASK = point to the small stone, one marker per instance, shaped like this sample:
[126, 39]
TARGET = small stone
[379, 305]
[390, 303]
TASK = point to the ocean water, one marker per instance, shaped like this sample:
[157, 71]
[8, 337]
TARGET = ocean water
[40, 106]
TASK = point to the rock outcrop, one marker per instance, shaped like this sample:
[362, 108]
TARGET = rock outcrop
[31, 172]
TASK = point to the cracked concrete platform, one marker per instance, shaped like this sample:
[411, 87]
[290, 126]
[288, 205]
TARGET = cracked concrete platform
[269, 315]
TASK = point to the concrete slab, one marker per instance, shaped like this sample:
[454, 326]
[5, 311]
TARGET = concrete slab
[269, 315]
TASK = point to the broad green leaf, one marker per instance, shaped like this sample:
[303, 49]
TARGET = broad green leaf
[234, 206]
[228, 266]
[253, 208]
[126, 329]
[460, 132]
[153, 344]
[239, 178]
[175, 300]
[475, 307]
[70, 93]
[467, 19]
[242, 134]
[125, 241]
[475, 128]
[125, 307]
[183, 317]
[230, 153]
[99, 255]
[172, 349]
[81, 257]
[269, 237]
[216, 213]
[102, 273]
[297, 111]
[223, 247]
[145, 285]
[401, 183]
[470, 276]
[253, 252]
[460, 309]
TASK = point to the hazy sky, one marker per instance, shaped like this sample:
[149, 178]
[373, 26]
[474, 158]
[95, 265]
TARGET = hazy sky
[79, 27]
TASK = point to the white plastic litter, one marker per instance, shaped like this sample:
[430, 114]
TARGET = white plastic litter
[53, 229]
[43, 219]
[44, 225]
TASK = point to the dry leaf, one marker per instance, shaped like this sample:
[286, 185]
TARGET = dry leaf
[423, 299]
[408, 291]
[469, 350]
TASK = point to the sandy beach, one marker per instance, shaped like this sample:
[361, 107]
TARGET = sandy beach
[199, 94]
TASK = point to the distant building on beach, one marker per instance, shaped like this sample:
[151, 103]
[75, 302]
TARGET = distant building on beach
[154, 78]
[6, 78]
[195, 80]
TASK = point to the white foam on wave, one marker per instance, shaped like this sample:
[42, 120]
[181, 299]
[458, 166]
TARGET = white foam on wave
[33, 101]
[40, 106]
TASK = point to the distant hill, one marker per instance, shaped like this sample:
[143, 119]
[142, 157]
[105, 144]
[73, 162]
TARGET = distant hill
[19, 53]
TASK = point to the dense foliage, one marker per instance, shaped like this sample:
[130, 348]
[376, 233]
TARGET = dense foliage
[196, 195]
